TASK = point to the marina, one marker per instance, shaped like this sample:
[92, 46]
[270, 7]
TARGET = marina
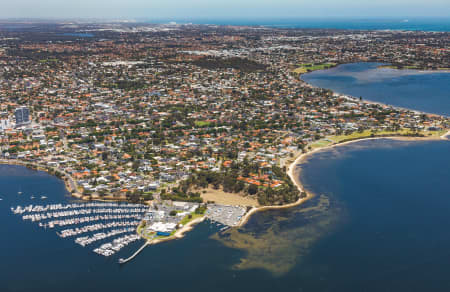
[91, 228]
[68, 260]
[110, 227]
[86, 240]
[93, 223]
[162, 220]
[117, 244]
[263, 157]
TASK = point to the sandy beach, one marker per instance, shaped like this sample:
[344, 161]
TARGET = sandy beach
[295, 177]
[236, 199]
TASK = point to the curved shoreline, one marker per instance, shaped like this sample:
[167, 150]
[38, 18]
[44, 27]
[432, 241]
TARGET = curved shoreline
[69, 182]
[394, 67]
[372, 102]
[292, 173]
[302, 157]
[369, 101]
[180, 233]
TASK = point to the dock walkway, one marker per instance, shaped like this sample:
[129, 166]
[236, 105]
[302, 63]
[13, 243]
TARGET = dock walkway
[123, 261]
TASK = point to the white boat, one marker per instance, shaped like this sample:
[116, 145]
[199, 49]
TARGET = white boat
[32, 197]
[43, 197]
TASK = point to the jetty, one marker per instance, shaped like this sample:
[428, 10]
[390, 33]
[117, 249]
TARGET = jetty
[124, 261]
[89, 223]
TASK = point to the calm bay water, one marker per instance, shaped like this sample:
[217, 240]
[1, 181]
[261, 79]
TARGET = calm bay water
[379, 222]
[396, 199]
[34, 259]
[419, 90]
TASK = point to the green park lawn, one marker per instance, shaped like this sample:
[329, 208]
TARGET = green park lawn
[308, 67]
[202, 123]
[367, 134]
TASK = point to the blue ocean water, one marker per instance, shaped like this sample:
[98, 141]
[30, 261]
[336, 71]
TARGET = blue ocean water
[412, 24]
[378, 222]
[35, 259]
[419, 90]
[396, 199]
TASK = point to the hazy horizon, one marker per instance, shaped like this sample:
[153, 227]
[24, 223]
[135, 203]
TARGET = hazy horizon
[232, 9]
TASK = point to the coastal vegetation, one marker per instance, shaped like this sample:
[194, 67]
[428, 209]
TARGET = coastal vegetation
[178, 194]
[160, 115]
[372, 134]
[309, 67]
[271, 186]
[191, 217]
[171, 113]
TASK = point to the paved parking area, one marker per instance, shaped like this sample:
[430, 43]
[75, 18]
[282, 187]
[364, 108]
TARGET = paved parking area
[227, 215]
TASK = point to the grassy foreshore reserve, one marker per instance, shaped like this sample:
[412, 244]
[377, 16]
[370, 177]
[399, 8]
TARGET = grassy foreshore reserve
[292, 171]
[294, 174]
[331, 140]
[334, 141]
[178, 119]
[309, 67]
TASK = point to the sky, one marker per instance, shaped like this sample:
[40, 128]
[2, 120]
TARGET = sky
[208, 9]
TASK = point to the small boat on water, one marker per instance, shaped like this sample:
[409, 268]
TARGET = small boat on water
[43, 197]
[32, 197]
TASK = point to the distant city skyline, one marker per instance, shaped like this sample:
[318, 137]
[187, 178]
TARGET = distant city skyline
[194, 9]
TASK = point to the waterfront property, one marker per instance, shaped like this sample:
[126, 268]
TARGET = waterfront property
[90, 223]
[426, 91]
[158, 115]
[112, 226]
